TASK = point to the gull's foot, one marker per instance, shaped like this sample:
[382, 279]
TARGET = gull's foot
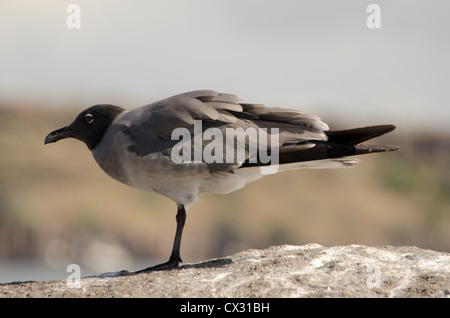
[171, 264]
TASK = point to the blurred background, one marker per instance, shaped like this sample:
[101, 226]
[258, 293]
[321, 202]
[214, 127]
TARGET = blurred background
[58, 208]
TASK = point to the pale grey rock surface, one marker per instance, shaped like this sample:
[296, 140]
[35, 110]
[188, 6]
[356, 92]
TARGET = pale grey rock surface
[280, 271]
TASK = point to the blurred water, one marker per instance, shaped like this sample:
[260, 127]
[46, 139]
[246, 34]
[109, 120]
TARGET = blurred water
[33, 270]
[37, 270]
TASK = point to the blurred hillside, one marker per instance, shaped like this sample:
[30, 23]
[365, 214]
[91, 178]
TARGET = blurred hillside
[57, 206]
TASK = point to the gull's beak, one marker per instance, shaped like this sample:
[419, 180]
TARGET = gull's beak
[59, 134]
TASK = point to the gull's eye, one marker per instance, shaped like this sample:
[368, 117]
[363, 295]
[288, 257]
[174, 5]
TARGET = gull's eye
[89, 118]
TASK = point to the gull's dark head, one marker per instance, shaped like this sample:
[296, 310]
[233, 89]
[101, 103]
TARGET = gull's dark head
[89, 126]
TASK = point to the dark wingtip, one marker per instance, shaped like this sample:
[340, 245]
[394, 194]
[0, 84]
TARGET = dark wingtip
[358, 135]
[389, 128]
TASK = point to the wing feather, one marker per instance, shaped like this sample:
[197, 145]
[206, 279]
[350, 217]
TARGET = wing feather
[149, 128]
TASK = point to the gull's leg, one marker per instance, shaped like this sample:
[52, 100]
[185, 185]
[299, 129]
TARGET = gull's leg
[175, 257]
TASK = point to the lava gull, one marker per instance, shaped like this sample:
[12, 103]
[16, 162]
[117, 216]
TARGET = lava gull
[204, 141]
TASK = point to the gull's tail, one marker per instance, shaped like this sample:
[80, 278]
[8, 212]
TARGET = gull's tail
[340, 143]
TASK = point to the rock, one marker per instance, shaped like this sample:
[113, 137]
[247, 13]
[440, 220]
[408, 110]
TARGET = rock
[281, 271]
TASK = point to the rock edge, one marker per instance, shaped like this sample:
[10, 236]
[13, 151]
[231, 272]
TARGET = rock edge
[280, 272]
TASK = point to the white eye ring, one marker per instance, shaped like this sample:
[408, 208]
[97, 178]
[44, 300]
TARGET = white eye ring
[89, 118]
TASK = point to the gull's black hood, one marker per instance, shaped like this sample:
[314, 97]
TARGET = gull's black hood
[89, 126]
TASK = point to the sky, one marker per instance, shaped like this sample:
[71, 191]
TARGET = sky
[316, 56]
